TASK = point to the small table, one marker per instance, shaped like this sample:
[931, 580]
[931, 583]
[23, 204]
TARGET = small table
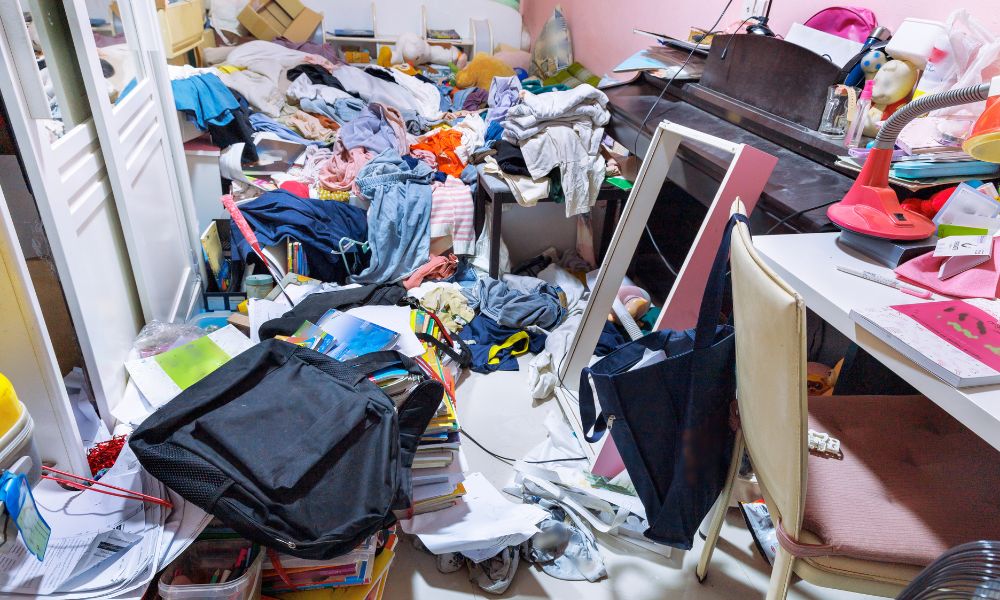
[495, 191]
[808, 263]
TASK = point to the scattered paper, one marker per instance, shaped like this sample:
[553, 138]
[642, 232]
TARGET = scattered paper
[261, 311]
[162, 377]
[482, 519]
[836, 49]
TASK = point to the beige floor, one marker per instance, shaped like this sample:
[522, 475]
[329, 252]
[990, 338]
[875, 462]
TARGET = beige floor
[497, 410]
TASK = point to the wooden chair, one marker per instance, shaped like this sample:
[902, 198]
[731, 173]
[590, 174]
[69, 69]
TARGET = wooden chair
[911, 481]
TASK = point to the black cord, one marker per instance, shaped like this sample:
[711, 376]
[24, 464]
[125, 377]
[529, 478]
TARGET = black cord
[712, 30]
[799, 214]
[656, 247]
[511, 461]
[732, 37]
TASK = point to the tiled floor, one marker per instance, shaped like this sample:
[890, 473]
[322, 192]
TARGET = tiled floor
[498, 411]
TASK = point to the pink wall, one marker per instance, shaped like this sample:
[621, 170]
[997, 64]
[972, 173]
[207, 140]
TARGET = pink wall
[602, 29]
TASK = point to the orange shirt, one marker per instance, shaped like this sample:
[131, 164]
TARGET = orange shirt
[442, 145]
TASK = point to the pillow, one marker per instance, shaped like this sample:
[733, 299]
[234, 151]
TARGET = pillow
[553, 50]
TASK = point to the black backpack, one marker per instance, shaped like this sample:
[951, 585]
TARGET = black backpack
[291, 448]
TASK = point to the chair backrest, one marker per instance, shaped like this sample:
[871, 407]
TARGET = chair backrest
[770, 320]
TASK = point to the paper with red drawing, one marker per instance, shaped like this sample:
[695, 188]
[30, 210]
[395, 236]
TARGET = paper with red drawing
[956, 340]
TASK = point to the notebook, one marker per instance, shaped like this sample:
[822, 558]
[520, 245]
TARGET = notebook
[956, 340]
[354, 337]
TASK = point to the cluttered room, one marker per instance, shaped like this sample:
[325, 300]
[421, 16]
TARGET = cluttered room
[454, 299]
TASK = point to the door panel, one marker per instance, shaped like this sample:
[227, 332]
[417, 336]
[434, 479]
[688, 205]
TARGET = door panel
[149, 189]
[70, 183]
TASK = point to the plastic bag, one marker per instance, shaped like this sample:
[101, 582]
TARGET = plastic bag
[222, 14]
[977, 54]
[157, 337]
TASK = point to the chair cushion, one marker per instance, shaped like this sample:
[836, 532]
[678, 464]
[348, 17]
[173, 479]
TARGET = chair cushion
[913, 482]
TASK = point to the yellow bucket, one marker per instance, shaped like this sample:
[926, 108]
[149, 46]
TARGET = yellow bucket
[10, 407]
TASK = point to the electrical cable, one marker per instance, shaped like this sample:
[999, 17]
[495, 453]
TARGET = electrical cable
[656, 247]
[712, 30]
[799, 214]
[511, 461]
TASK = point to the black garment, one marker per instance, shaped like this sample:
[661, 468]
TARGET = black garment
[318, 76]
[314, 306]
[236, 131]
[510, 159]
[291, 448]
[380, 74]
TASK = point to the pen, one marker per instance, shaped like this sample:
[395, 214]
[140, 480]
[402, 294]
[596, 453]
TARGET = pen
[906, 289]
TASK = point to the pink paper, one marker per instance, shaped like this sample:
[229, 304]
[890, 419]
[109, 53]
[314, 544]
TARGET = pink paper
[970, 329]
[609, 462]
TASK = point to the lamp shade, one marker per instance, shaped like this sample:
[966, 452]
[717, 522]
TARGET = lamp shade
[984, 142]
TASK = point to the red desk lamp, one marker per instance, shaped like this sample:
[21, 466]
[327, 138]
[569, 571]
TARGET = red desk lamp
[871, 207]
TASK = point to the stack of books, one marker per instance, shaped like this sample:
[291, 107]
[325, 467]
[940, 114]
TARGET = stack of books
[357, 575]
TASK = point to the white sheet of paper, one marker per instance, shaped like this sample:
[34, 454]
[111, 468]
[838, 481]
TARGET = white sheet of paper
[481, 519]
[157, 386]
[396, 318]
[261, 311]
[964, 245]
[839, 50]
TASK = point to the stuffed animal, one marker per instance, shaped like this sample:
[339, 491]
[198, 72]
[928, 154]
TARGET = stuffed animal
[873, 62]
[517, 59]
[894, 82]
[481, 71]
[415, 50]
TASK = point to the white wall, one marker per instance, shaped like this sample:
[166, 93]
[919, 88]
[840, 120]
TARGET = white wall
[400, 16]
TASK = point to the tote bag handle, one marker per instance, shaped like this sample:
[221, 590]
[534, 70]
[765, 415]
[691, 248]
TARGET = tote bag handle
[708, 321]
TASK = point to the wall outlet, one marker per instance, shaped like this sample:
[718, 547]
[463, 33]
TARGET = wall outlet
[755, 8]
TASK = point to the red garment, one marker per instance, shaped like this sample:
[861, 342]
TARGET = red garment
[296, 187]
[438, 267]
[442, 145]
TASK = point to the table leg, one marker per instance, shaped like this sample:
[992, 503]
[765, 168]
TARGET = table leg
[495, 239]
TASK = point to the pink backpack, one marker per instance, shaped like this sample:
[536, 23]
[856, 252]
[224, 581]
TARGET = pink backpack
[851, 22]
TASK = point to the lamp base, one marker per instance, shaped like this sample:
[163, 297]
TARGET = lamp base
[871, 207]
[868, 216]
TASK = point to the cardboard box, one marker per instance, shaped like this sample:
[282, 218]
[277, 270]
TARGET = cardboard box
[268, 19]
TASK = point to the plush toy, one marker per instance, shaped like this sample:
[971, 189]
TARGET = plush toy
[515, 58]
[481, 71]
[894, 82]
[873, 62]
[415, 50]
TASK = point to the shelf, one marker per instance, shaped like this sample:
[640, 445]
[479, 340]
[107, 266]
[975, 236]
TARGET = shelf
[384, 39]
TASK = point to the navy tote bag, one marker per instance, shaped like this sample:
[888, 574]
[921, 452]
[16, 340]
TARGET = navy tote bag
[670, 420]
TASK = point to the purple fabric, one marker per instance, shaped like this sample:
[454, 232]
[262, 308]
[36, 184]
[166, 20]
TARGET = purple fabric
[370, 130]
[323, 50]
[475, 100]
[504, 93]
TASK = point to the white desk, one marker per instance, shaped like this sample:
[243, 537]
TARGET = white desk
[808, 263]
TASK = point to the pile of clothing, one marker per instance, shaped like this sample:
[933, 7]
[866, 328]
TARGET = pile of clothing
[401, 145]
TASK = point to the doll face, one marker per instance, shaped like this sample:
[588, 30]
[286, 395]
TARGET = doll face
[894, 82]
[873, 62]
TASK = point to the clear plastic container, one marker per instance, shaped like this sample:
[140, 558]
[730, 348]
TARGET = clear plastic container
[941, 71]
[204, 559]
[856, 129]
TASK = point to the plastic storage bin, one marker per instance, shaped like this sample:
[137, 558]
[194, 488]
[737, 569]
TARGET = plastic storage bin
[203, 559]
[16, 429]
[914, 41]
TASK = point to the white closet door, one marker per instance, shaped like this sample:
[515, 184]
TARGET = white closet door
[147, 171]
[70, 184]
[28, 360]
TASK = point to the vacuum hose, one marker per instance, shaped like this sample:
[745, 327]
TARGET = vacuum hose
[891, 129]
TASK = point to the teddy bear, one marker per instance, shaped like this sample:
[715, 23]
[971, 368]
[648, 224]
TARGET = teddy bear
[415, 50]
